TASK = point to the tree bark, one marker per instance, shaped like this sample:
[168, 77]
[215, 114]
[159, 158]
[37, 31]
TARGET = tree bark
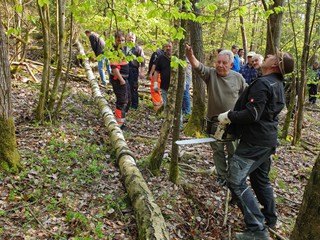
[303, 75]
[307, 223]
[150, 222]
[243, 33]
[174, 169]
[43, 95]
[196, 121]
[226, 27]
[158, 151]
[274, 27]
[9, 157]
[61, 5]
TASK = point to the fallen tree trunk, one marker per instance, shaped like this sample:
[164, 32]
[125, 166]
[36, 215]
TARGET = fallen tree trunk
[150, 222]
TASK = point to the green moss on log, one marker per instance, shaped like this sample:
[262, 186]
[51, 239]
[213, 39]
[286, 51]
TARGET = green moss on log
[9, 156]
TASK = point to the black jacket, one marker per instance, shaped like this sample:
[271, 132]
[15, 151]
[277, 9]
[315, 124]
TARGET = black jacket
[255, 116]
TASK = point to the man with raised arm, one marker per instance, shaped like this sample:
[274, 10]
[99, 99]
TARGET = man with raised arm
[223, 87]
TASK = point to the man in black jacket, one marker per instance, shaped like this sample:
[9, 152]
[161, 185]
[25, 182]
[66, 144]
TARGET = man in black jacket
[255, 121]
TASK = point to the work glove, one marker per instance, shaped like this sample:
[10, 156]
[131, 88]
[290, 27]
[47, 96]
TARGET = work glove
[155, 86]
[223, 118]
[218, 135]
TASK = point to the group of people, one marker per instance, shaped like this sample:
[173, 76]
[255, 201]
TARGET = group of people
[125, 70]
[250, 68]
[249, 113]
[244, 98]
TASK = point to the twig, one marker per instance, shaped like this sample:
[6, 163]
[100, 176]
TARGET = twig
[277, 234]
[288, 199]
[226, 208]
[309, 143]
[308, 149]
[31, 73]
[35, 217]
[22, 206]
[183, 167]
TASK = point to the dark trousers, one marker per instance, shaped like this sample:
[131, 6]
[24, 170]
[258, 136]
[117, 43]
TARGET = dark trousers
[122, 93]
[313, 90]
[253, 161]
[133, 82]
[261, 185]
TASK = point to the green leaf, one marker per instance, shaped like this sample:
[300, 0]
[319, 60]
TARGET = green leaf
[140, 59]
[211, 7]
[12, 31]
[43, 2]
[18, 8]
[242, 10]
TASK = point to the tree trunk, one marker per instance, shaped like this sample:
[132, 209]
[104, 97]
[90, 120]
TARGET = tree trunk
[243, 33]
[274, 27]
[307, 223]
[226, 27]
[303, 75]
[254, 43]
[150, 222]
[62, 95]
[196, 121]
[43, 95]
[174, 170]
[158, 151]
[61, 5]
[9, 157]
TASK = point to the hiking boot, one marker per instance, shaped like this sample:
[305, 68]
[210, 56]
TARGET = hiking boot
[257, 235]
[124, 128]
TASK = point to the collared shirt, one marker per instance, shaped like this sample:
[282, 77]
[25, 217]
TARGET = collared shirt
[249, 73]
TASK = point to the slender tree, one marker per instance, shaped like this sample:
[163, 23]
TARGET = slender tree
[174, 173]
[243, 32]
[43, 96]
[196, 120]
[303, 71]
[9, 157]
[226, 28]
[61, 5]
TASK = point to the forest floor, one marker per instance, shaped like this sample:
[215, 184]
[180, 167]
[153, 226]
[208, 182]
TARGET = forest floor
[70, 187]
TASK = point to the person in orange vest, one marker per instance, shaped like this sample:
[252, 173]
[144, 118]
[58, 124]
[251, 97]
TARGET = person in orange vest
[119, 80]
[155, 95]
[163, 67]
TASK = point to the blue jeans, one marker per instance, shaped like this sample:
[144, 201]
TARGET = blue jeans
[186, 106]
[254, 161]
[101, 70]
[164, 94]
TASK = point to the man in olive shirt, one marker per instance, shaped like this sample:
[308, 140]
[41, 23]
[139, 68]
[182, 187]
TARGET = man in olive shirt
[223, 87]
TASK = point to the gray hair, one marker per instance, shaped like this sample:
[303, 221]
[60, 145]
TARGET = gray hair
[228, 53]
[259, 57]
[131, 34]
